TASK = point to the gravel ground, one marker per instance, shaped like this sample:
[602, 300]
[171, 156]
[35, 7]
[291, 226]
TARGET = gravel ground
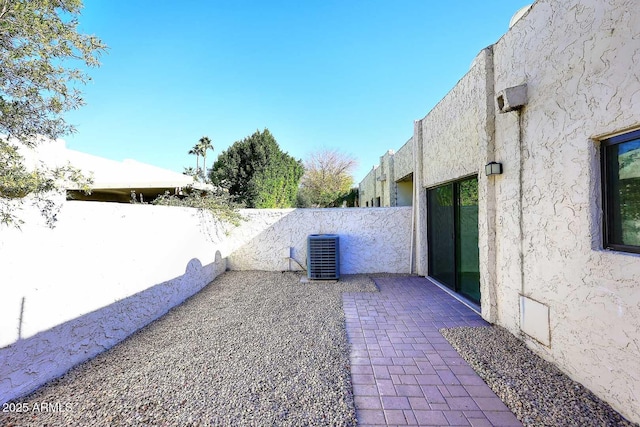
[537, 392]
[252, 348]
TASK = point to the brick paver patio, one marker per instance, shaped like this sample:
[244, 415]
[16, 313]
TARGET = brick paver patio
[403, 370]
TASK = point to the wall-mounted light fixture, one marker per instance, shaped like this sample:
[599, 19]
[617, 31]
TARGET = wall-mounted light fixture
[493, 168]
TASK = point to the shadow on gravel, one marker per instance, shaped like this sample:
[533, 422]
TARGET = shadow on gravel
[31, 361]
[252, 348]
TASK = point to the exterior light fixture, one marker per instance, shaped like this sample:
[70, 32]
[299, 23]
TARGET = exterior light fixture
[493, 168]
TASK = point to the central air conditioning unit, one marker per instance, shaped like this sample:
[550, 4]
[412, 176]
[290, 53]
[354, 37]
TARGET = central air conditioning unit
[323, 257]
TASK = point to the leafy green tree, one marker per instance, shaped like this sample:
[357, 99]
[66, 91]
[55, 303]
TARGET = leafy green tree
[349, 199]
[17, 182]
[257, 173]
[38, 38]
[327, 178]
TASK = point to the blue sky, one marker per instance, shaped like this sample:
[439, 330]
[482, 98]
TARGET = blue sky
[346, 74]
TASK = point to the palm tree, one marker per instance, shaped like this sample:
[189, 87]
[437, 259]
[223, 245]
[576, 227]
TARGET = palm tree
[189, 171]
[204, 144]
[196, 150]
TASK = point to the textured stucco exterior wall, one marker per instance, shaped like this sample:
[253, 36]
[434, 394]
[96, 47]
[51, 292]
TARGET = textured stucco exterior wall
[367, 189]
[382, 180]
[487, 240]
[455, 140]
[453, 130]
[580, 64]
[403, 161]
[371, 240]
[540, 222]
[420, 241]
[386, 183]
[105, 271]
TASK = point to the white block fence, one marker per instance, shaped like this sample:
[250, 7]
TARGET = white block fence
[106, 270]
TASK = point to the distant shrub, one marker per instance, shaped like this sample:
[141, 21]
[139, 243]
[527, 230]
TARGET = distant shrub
[218, 202]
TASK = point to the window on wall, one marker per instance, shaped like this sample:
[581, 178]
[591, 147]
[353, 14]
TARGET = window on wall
[621, 192]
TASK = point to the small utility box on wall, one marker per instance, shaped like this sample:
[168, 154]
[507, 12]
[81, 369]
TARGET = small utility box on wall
[512, 98]
[323, 257]
[534, 320]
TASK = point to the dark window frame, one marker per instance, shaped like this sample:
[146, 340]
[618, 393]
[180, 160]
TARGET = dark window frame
[607, 196]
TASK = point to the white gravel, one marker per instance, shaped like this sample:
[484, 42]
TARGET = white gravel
[252, 348]
[536, 391]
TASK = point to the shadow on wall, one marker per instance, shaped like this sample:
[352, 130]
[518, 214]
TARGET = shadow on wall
[28, 363]
[371, 240]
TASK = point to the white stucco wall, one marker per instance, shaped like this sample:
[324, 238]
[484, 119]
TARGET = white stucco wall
[368, 189]
[382, 180]
[386, 184]
[105, 271]
[403, 161]
[539, 227]
[543, 270]
[371, 240]
[457, 125]
[580, 64]
[454, 141]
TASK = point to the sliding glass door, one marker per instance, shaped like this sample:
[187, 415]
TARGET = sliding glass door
[468, 261]
[441, 234]
[452, 229]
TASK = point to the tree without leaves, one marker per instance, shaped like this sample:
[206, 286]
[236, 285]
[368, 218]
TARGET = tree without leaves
[37, 39]
[327, 177]
[258, 173]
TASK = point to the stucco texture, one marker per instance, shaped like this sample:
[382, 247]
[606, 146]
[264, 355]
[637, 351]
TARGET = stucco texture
[540, 221]
[453, 130]
[386, 184]
[103, 272]
[579, 62]
[403, 161]
[371, 240]
[367, 189]
[108, 269]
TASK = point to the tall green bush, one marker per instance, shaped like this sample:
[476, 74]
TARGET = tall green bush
[257, 173]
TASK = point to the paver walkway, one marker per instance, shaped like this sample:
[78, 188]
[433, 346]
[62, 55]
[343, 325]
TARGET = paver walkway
[403, 370]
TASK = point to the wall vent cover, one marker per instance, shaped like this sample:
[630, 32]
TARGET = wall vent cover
[323, 257]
